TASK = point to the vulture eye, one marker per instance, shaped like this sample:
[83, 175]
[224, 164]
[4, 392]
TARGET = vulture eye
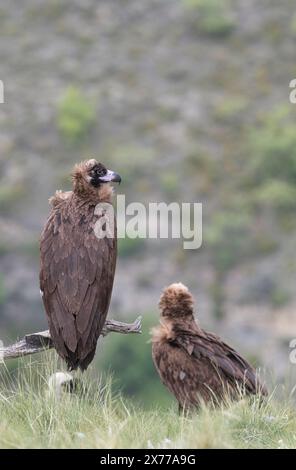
[101, 172]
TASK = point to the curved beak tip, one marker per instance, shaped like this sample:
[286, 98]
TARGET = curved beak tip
[111, 176]
[116, 178]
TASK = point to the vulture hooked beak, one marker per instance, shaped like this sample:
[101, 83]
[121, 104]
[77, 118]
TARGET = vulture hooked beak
[110, 176]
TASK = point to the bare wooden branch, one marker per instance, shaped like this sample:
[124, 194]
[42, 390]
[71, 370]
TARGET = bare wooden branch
[38, 342]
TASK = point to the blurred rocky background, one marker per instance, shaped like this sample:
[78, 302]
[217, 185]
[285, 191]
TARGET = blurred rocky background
[189, 101]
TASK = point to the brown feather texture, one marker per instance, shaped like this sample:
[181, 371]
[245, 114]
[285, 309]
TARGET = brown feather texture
[197, 366]
[77, 268]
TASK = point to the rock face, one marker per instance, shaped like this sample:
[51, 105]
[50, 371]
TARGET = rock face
[168, 95]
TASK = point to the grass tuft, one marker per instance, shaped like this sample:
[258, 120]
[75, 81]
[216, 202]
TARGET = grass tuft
[97, 418]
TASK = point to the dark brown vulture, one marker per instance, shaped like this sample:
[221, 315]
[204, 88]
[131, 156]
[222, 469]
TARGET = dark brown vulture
[196, 366]
[77, 267]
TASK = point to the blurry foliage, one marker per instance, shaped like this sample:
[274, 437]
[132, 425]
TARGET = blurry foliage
[279, 297]
[254, 190]
[130, 246]
[76, 116]
[170, 183]
[271, 168]
[50, 11]
[3, 15]
[144, 280]
[264, 288]
[276, 194]
[218, 296]
[11, 194]
[132, 161]
[273, 30]
[205, 170]
[293, 25]
[2, 290]
[214, 17]
[30, 248]
[226, 239]
[286, 222]
[229, 110]
[130, 361]
[264, 242]
[26, 247]
[273, 148]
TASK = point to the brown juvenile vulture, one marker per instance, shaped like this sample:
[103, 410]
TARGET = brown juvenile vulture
[77, 267]
[196, 366]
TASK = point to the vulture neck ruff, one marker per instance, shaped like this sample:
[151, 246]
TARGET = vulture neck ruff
[169, 329]
[91, 194]
[102, 194]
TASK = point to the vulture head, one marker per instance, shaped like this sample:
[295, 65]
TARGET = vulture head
[176, 309]
[91, 178]
[176, 302]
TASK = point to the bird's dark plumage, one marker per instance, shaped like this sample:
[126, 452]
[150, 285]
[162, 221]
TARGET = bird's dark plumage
[196, 365]
[77, 268]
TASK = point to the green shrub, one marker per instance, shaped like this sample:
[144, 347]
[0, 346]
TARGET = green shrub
[214, 16]
[273, 149]
[228, 239]
[276, 194]
[76, 116]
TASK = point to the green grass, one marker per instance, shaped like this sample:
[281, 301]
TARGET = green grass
[30, 418]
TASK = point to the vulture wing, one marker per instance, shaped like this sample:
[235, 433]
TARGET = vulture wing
[182, 375]
[76, 280]
[200, 366]
[230, 367]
